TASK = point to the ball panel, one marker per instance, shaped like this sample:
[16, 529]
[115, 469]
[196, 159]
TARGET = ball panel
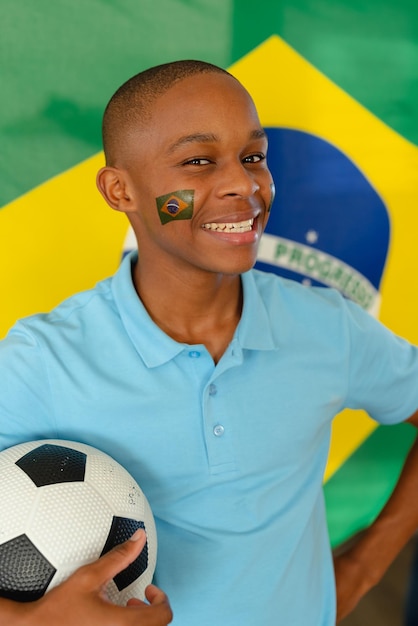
[115, 484]
[24, 572]
[123, 528]
[70, 524]
[17, 497]
[50, 463]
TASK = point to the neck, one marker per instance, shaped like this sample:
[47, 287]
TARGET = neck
[203, 309]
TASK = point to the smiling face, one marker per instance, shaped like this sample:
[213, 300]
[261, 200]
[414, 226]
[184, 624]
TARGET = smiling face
[203, 145]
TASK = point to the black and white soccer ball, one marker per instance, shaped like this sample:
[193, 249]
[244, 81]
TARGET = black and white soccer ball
[62, 505]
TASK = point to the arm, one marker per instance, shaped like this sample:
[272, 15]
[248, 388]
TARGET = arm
[363, 565]
[81, 598]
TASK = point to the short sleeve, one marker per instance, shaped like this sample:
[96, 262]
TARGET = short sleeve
[383, 376]
[25, 412]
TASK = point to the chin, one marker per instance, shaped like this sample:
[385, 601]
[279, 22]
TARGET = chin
[236, 268]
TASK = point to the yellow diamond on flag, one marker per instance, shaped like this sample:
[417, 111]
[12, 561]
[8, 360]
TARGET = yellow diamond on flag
[58, 239]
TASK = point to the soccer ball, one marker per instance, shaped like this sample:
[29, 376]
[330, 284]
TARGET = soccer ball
[63, 505]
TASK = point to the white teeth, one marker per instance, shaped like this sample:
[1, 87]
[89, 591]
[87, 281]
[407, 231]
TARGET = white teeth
[230, 227]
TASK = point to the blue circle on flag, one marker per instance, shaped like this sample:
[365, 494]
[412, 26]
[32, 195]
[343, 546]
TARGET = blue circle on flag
[324, 202]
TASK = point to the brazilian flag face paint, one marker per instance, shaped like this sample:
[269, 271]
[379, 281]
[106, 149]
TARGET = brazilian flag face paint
[177, 205]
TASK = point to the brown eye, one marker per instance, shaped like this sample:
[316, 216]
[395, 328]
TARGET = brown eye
[197, 161]
[254, 158]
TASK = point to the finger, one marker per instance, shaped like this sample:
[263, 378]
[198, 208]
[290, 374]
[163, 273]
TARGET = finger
[159, 603]
[110, 564]
[159, 610]
[154, 595]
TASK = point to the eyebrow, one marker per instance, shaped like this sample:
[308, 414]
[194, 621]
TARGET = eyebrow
[258, 133]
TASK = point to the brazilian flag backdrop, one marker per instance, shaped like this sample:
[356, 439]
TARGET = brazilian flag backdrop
[336, 85]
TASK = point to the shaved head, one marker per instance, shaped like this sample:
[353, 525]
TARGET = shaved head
[131, 105]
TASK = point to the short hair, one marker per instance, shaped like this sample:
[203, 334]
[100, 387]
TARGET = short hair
[131, 103]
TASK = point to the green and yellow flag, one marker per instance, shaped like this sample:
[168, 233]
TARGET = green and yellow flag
[336, 85]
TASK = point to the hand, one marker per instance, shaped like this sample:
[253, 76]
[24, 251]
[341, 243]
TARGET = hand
[82, 598]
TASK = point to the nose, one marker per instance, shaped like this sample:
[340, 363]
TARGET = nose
[236, 180]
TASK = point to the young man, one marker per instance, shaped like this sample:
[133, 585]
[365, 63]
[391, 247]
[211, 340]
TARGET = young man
[213, 384]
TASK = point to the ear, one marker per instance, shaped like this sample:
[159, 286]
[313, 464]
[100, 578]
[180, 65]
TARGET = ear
[113, 185]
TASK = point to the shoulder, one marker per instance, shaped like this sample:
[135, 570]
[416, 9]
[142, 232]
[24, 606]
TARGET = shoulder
[315, 311]
[275, 290]
[80, 323]
[93, 306]
[86, 305]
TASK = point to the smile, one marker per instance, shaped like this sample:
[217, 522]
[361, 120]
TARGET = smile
[234, 227]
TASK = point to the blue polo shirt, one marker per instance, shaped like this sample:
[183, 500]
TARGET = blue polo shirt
[231, 457]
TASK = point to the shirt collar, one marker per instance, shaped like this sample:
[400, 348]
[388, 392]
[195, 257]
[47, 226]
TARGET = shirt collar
[254, 331]
[155, 347]
[151, 343]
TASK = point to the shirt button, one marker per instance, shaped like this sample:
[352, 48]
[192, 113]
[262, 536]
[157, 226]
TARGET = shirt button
[219, 430]
[212, 390]
[194, 354]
